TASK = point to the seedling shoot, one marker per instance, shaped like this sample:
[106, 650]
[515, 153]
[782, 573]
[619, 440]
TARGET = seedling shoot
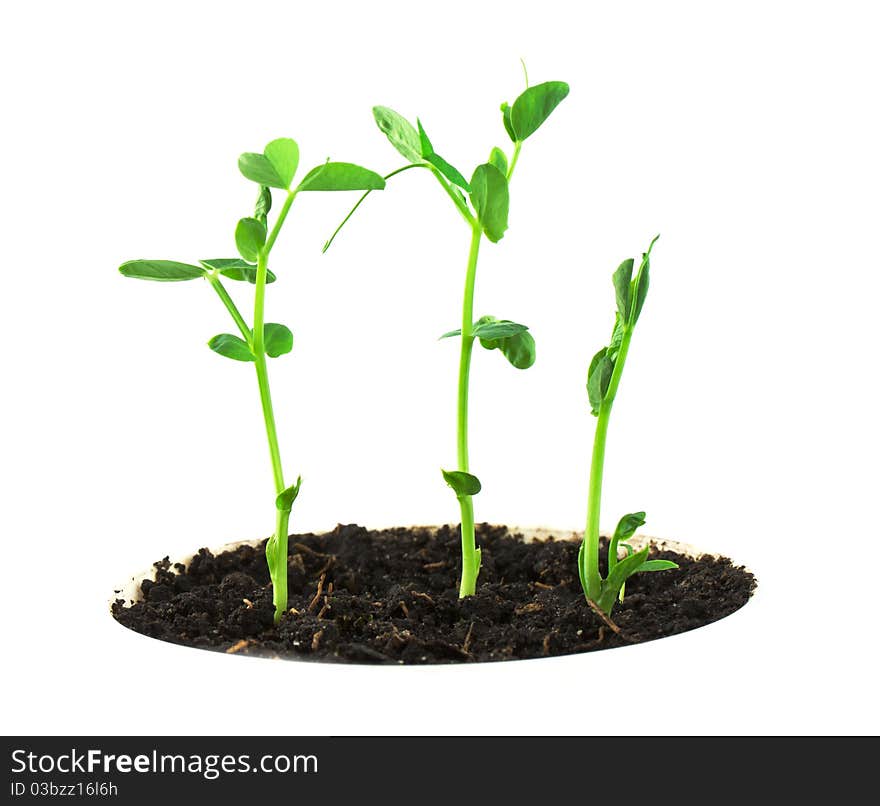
[274, 168]
[603, 380]
[483, 203]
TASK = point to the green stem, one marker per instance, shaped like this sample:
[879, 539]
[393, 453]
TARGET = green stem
[469, 554]
[457, 200]
[276, 555]
[285, 209]
[513, 160]
[259, 349]
[591, 535]
[214, 280]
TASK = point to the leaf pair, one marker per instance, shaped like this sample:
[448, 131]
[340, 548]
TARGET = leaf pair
[277, 340]
[532, 108]
[512, 339]
[276, 168]
[630, 292]
[173, 271]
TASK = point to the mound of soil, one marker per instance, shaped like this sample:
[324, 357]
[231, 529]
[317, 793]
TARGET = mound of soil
[391, 596]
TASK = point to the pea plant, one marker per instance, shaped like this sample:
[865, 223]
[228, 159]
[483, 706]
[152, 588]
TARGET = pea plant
[603, 380]
[274, 168]
[483, 202]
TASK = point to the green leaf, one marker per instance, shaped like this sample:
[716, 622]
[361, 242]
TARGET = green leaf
[231, 346]
[428, 153]
[250, 237]
[275, 167]
[451, 333]
[641, 283]
[488, 327]
[341, 176]
[617, 576]
[462, 483]
[236, 269]
[598, 378]
[656, 565]
[284, 500]
[491, 200]
[163, 271]
[499, 159]
[534, 106]
[628, 524]
[283, 153]
[582, 571]
[264, 204]
[400, 132]
[505, 117]
[277, 339]
[622, 279]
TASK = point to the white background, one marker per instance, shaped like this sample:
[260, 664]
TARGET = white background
[745, 133]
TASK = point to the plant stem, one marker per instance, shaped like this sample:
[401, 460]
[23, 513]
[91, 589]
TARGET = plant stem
[513, 160]
[591, 535]
[277, 549]
[214, 280]
[469, 555]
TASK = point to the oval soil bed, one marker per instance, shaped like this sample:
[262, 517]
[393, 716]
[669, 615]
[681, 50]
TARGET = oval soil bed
[391, 596]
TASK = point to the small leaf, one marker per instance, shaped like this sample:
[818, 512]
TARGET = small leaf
[164, 271]
[283, 154]
[250, 237]
[264, 204]
[622, 279]
[462, 483]
[277, 339]
[451, 333]
[616, 338]
[656, 565]
[582, 571]
[341, 176]
[487, 327]
[598, 378]
[284, 500]
[641, 283]
[491, 200]
[505, 117]
[499, 159]
[534, 106]
[519, 350]
[428, 153]
[617, 576]
[236, 269]
[231, 346]
[400, 132]
[628, 525]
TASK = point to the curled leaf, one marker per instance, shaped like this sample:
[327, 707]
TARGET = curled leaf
[462, 483]
[491, 199]
[284, 500]
[250, 237]
[277, 339]
[400, 132]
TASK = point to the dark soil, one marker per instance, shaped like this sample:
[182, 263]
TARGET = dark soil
[392, 597]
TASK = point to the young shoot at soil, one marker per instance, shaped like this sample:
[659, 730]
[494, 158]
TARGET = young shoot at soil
[603, 379]
[274, 168]
[483, 203]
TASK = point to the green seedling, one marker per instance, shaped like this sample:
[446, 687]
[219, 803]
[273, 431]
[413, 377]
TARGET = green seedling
[483, 202]
[275, 168]
[603, 380]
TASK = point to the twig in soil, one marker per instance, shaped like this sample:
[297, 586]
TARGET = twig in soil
[465, 647]
[237, 647]
[314, 603]
[316, 640]
[248, 604]
[434, 566]
[309, 550]
[422, 596]
[543, 586]
[404, 608]
[608, 622]
[546, 641]
[326, 606]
